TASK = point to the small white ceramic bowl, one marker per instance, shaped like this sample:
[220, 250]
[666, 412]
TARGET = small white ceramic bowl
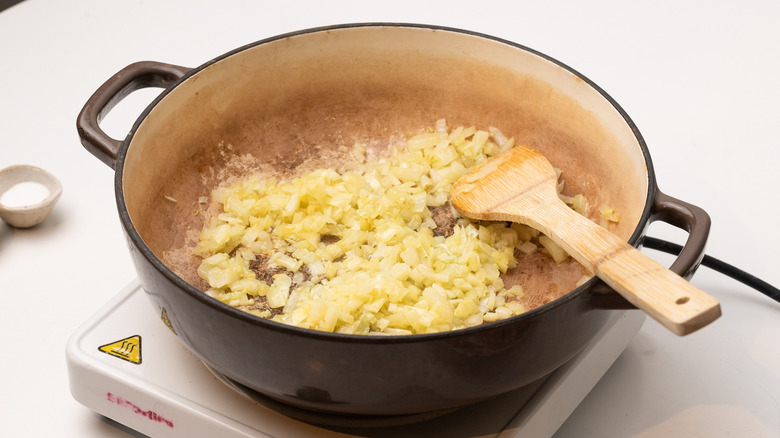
[24, 215]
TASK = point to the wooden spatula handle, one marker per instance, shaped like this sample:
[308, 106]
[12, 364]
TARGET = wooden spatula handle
[520, 186]
[662, 294]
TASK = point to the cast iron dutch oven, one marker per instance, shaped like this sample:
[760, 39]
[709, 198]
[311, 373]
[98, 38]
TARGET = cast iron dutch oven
[285, 104]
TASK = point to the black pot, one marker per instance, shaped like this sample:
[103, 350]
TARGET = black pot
[288, 102]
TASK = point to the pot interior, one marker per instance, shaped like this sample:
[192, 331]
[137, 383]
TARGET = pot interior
[284, 106]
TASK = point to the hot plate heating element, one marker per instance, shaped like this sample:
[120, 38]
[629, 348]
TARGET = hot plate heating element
[126, 365]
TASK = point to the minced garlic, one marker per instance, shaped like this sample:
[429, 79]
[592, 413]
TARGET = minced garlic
[359, 249]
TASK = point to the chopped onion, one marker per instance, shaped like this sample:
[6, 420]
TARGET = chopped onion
[358, 249]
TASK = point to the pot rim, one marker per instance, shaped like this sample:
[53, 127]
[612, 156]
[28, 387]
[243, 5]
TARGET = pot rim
[368, 339]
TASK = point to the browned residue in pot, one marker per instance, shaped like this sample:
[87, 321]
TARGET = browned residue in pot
[542, 279]
[445, 220]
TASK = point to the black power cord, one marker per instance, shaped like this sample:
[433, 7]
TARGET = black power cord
[719, 266]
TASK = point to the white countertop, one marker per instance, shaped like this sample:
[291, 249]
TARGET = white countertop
[700, 79]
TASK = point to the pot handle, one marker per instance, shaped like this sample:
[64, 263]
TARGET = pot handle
[690, 218]
[682, 215]
[144, 74]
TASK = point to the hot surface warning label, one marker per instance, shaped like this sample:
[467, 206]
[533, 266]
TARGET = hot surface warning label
[128, 349]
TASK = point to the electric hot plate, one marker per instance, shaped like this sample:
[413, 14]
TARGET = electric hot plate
[125, 364]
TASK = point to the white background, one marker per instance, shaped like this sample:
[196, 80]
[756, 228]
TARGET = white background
[699, 78]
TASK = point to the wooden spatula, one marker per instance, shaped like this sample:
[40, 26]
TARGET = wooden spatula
[519, 185]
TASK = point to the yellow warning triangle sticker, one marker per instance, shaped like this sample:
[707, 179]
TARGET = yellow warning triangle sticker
[128, 349]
